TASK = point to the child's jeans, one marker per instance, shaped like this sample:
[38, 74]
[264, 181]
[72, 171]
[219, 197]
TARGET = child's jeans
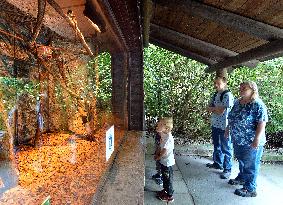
[222, 153]
[167, 177]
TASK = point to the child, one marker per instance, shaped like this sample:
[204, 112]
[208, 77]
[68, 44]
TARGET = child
[166, 156]
[220, 106]
[157, 177]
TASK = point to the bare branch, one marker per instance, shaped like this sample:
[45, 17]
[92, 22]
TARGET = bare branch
[71, 20]
[11, 35]
[39, 20]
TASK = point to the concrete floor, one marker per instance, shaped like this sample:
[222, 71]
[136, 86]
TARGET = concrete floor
[195, 184]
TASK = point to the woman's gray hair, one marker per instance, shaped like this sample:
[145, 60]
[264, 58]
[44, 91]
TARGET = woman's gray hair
[253, 86]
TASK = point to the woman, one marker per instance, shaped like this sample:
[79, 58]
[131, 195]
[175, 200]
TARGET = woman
[247, 121]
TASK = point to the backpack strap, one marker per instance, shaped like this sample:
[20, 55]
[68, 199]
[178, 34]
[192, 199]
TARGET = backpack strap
[222, 94]
[213, 99]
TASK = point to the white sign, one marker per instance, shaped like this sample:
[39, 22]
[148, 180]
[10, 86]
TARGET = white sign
[109, 142]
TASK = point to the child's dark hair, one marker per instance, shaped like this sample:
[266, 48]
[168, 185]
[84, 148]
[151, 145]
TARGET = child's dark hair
[223, 78]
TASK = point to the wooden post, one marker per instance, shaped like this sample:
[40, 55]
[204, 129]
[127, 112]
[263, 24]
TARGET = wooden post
[119, 92]
[135, 90]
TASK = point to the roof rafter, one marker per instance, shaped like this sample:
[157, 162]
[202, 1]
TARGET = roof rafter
[214, 52]
[181, 51]
[240, 23]
[269, 49]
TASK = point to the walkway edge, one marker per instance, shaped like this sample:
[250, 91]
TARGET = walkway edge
[123, 181]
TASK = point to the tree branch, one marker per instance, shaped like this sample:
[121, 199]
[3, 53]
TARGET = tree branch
[39, 20]
[71, 20]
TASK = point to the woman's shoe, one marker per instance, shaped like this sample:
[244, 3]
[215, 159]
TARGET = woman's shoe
[245, 193]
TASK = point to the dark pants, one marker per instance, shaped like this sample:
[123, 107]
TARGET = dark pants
[158, 167]
[167, 177]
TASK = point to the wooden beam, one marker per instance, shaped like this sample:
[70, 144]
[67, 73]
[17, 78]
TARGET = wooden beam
[240, 23]
[147, 8]
[262, 51]
[277, 55]
[114, 30]
[211, 51]
[181, 51]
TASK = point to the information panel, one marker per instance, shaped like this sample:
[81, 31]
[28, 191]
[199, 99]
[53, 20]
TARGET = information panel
[109, 142]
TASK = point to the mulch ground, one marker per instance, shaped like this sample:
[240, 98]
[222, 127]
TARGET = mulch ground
[65, 167]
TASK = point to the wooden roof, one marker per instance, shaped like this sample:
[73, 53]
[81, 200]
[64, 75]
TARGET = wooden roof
[118, 21]
[219, 33]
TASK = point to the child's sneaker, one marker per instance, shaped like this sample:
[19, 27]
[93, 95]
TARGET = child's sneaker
[161, 193]
[166, 198]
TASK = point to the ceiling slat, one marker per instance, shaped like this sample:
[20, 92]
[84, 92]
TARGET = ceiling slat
[237, 22]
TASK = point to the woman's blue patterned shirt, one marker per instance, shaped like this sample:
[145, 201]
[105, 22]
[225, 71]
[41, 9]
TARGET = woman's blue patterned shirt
[243, 120]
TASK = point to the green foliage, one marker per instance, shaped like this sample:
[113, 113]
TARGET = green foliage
[268, 76]
[104, 91]
[11, 89]
[105, 81]
[177, 86]
[83, 81]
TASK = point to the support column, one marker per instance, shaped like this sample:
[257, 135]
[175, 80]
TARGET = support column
[119, 67]
[135, 90]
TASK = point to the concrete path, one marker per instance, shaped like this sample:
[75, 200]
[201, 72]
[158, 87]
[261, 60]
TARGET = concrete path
[195, 184]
